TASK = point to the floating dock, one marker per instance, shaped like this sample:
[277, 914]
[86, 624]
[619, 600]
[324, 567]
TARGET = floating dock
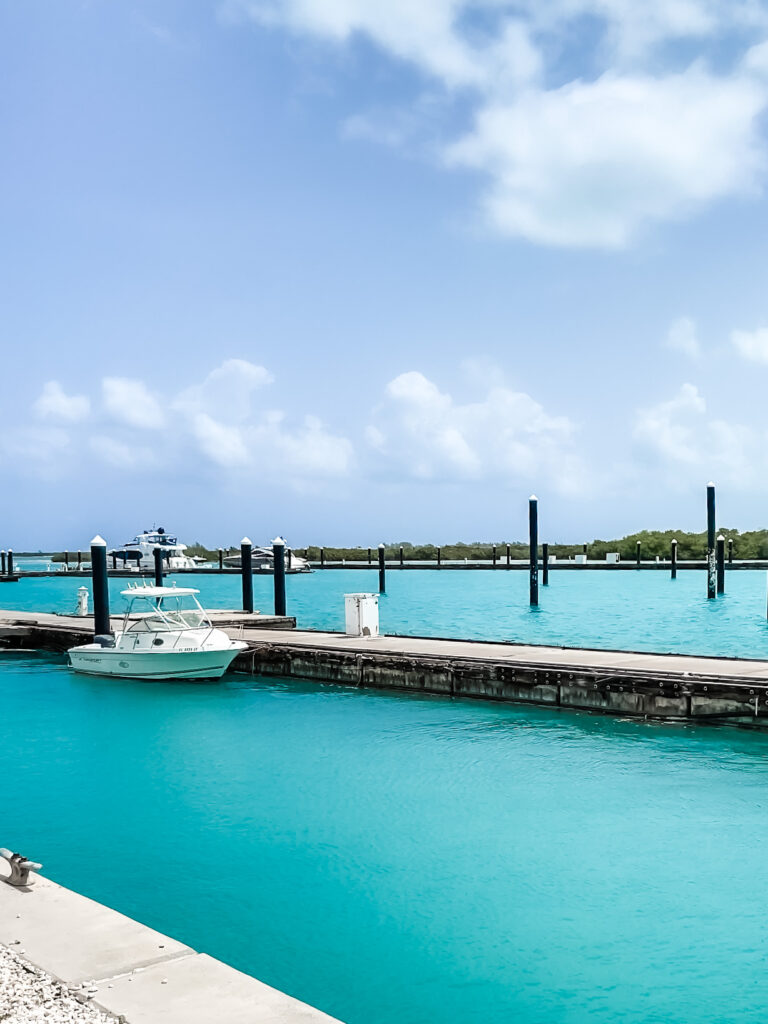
[668, 687]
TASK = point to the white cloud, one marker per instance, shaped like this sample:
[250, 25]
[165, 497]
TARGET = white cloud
[682, 337]
[121, 455]
[752, 345]
[54, 403]
[591, 163]
[131, 402]
[693, 446]
[222, 444]
[671, 427]
[425, 433]
[227, 391]
[632, 139]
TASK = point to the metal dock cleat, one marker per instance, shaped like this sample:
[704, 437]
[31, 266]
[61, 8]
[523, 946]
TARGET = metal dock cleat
[20, 867]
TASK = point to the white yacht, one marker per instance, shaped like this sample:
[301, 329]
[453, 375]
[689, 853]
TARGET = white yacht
[166, 634]
[140, 552]
[263, 560]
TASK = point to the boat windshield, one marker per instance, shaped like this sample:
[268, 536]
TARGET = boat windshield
[171, 612]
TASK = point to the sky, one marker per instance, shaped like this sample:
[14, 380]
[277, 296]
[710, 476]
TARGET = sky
[351, 271]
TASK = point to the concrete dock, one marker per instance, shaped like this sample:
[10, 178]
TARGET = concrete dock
[657, 686]
[131, 971]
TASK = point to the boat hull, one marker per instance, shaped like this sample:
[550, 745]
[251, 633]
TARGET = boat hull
[109, 661]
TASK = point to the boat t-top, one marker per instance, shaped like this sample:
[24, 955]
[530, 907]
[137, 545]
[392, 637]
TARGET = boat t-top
[166, 634]
[139, 553]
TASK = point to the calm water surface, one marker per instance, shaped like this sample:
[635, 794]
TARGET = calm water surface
[400, 859]
[627, 610]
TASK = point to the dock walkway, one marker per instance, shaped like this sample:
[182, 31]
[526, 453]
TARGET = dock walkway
[131, 971]
[659, 686]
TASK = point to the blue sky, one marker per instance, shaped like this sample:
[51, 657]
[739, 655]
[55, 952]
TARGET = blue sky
[353, 271]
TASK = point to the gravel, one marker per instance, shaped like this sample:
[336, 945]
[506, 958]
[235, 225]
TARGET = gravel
[30, 996]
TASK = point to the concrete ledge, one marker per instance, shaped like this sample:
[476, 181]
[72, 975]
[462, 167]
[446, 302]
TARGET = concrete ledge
[132, 971]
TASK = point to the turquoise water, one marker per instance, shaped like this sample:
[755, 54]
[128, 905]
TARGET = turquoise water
[626, 610]
[398, 859]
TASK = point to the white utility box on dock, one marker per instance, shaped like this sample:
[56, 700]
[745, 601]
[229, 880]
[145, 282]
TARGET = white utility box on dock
[581, 559]
[613, 557]
[362, 614]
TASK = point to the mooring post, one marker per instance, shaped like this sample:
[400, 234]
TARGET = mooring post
[370, 560]
[720, 564]
[673, 560]
[246, 570]
[545, 565]
[637, 555]
[711, 567]
[438, 558]
[278, 555]
[533, 548]
[509, 556]
[289, 553]
[100, 587]
[494, 556]
[730, 551]
[66, 560]
[401, 556]
[79, 561]
[322, 558]
[158, 567]
[114, 559]
[2, 562]
[382, 571]
[221, 559]
[583, 549]
[10, 561]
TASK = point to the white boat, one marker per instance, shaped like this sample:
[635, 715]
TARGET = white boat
[263, 560]
[139, 553]
[166, 634]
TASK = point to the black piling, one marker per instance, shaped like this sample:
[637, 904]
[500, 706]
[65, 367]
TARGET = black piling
[10, 561]
[322, 558]
[438, 558]
[637, 555]
[509, 556]
[79, 561]
[401, 556]
[221, 559]
[289, 553]
[370, 560]
[246, 570]
[545, 565]
[673, 560]
[114, 559]
[66, 559]
[158, 567]
[494, 556]
[730, 551]
[100, 587]
[533, 548]
[382, 571]
[3, 565]
[711, 566]
[720, 564]
[278, 555]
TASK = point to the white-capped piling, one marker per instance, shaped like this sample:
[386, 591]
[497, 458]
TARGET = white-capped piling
[246, 571]
[545, 565]
[382, 571]
[401, 556]
[637, 554]
[711, 566]
[10, 561]
[533, 549]
[730, 551]
[673, 559]
[509, 556]
[438, 557]
[100, 587]
[278, 558]
[493, 556]
[720, 559]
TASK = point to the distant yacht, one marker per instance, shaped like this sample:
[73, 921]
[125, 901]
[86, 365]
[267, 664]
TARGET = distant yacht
[263, 560]
[139, 553]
